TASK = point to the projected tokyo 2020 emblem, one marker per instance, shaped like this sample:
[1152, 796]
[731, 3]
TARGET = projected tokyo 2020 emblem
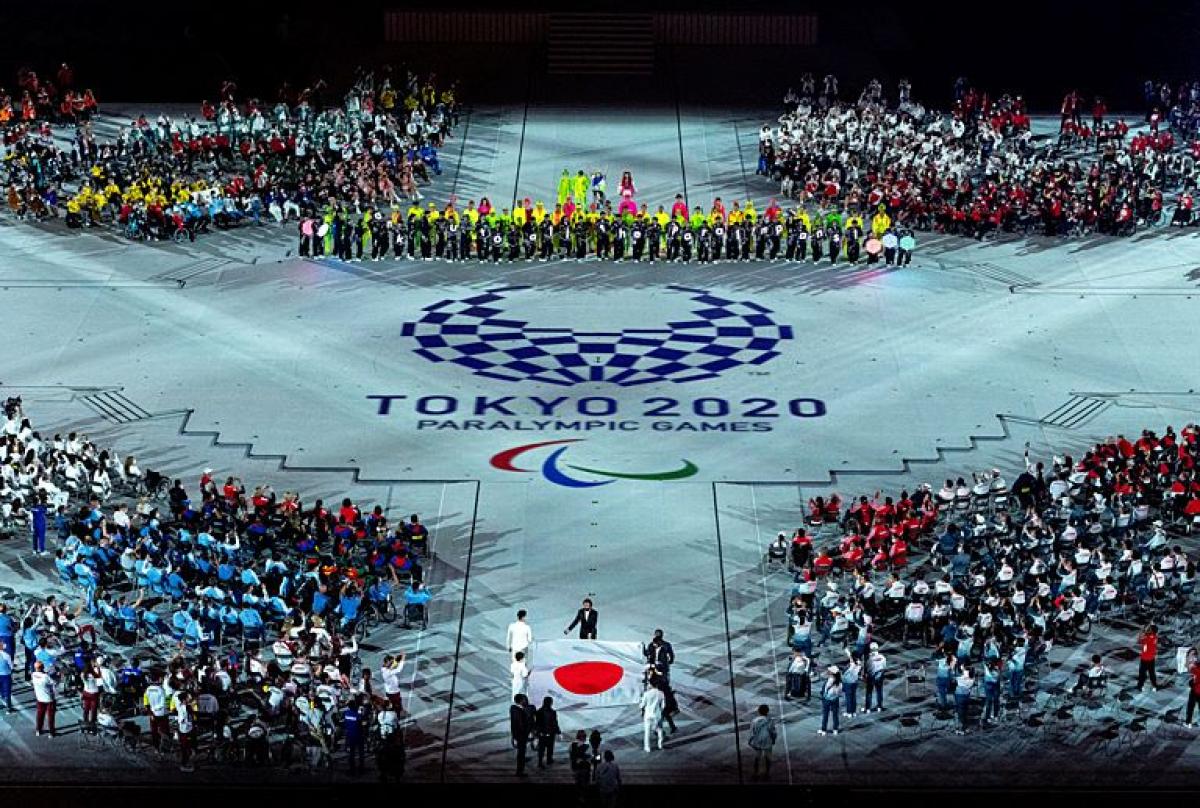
[474, 333]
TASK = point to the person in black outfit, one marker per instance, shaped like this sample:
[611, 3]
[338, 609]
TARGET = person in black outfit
[546, 726]
[670, 703]
[391, 757]
[660, 655]
[586, 619]
[580, 758]
[520, 726]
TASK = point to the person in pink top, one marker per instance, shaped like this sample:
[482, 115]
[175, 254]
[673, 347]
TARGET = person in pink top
[626, 187]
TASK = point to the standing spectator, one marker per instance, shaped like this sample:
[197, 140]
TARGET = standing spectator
[608, 779]
[391, 680]
[8, 629]
[1148, 654]
[520, 636]
[44, 692]
[90, 694]
[155, 702]
[945, 675]
[6, 670]
[850, 683]
[546, 725]
[875, 668]
[652, 715]
[991, 691]
[586, 619]
[962, 698]
[831, 697]
[762, 740]
[185, 723]
[519, 729]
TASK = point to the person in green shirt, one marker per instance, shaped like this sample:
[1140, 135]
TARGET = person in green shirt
[581, 186]
[564, 186]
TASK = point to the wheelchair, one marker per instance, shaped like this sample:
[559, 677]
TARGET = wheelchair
[416, 613]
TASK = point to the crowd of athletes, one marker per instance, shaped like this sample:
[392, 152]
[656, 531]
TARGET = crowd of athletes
[986, 577]
[855, 177]
[209, 619]
[237, 160]
[980, 168]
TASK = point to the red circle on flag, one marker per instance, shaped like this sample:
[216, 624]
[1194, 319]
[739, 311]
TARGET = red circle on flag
[588, 678]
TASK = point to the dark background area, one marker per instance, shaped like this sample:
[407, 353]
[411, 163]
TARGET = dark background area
[153, 51]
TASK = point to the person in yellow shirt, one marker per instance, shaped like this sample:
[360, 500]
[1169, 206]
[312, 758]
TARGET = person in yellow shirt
[580, 185]
[661, 217]
[520, 216]
[539, 212]
[880, 222]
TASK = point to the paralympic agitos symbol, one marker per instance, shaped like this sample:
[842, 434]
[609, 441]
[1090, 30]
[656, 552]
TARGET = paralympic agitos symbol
[476, 334]
[552, 467]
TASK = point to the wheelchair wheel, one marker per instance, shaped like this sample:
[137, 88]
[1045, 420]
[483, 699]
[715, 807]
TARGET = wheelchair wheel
[180, 236]
[387, 611]
[361, 630]
[370, 617]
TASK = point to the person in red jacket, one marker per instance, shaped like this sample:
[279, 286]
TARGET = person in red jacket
[1147, 654]
[1193, 691]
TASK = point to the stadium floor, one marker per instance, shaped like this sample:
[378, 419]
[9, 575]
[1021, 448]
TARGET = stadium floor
[232, 353]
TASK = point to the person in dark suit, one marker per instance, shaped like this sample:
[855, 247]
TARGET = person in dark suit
[546, 725]
[659, 654]
[585, 618]
[521, 727]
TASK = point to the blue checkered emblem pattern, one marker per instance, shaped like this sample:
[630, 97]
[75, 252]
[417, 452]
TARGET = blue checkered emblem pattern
[474, 333]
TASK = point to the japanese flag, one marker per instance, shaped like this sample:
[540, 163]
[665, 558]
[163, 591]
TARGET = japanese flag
[586, 673]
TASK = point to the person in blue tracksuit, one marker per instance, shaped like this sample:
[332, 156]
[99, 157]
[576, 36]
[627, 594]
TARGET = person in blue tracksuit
[39, 516]
[6, 674]
[353, 722]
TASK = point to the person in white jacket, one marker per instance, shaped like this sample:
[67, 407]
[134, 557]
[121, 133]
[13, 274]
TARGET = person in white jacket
[520, 674]
[652, 704]
[519, 637]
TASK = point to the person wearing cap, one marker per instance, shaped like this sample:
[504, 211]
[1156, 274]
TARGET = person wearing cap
[831, 698]
[962, 697]
[876, 665]
[850, 676]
